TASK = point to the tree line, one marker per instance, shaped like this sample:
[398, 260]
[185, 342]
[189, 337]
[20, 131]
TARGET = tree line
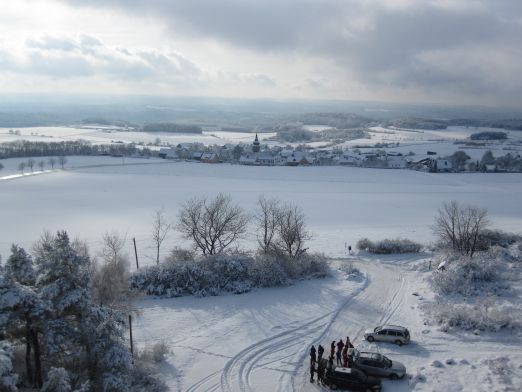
[25, 148]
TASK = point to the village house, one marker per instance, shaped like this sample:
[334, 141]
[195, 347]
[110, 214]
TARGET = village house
[209, 157]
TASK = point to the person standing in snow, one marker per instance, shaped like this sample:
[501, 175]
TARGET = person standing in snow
[345, 355]
[320, 351]
[312, 371]
[339, 355]
[313, 357]
[340, 345]
[348, 343]
[332, 350]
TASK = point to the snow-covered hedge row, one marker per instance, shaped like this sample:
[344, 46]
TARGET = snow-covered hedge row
[211, 275]
[481, 316]
[389, 246]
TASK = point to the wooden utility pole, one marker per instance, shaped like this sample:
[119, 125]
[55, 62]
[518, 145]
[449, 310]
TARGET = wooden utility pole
[136, 253]
[130, 330]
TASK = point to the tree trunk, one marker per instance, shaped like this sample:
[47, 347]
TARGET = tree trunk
[28, 364]
[37, 358]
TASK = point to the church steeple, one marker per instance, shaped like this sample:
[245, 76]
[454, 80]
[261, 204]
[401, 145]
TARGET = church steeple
[256, 146]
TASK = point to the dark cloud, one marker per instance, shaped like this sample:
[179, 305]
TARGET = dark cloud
[379, 42]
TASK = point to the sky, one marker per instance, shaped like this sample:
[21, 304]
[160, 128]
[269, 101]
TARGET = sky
[431, 51]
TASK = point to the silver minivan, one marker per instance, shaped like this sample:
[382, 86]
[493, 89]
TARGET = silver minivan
[388, 333]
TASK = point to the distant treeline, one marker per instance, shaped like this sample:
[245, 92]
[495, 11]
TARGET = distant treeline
[430, 124]
[336, 120]
[297, 134]
[24, 148]
[172, 127]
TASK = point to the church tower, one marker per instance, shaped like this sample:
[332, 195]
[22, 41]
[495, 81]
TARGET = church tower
[256, 146]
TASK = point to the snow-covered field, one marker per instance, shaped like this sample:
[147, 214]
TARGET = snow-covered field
[104, 135]
[343, 204]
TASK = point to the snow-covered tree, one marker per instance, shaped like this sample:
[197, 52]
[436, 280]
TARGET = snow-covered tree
[20, 266]
[84, 339]
[23, 314]
[8, 379]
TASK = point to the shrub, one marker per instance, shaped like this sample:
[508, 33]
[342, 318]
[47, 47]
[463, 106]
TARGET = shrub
[237, 273]
[389, 246]
[349, 269]
[489, 238]
[482, 315]
[468, 276]
[145, 374]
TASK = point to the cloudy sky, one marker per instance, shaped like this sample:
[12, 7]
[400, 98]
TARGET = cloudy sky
[446, 51]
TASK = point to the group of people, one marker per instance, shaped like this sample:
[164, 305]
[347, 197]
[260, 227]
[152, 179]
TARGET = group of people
[321, 365]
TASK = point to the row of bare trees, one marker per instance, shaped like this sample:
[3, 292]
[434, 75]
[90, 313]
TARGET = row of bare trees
[215, 224]
[52, 161]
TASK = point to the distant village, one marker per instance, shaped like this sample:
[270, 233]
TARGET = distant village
[256, 154]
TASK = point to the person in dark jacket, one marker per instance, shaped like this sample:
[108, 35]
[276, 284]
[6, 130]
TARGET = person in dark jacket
[320, 351]
[332, 350]
[340, 345]
[321, 367]
[313, 358]
[339, 356]
[348, 343]
[312, 371]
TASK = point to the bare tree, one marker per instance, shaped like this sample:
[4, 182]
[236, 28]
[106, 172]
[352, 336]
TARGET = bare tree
[110, 278]
[460, 226]
[212, 225]
[160, 229]
[62, 160]
[21, 167]
[41, 165]
[1, 166]
[267, 218]
[52, 162]
[292, 232]
[30, 163]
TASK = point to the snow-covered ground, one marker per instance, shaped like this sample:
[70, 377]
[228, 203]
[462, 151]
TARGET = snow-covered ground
[259, 341]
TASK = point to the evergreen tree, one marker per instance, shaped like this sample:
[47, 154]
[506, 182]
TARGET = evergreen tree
[20, 267]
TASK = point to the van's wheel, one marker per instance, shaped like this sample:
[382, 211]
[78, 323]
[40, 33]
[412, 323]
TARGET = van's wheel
[394, 377]
[398, 342]
[370, 339]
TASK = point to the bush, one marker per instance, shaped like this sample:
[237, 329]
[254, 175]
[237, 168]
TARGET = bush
[482, 316]
[349, 269]
[237, 273]
[489, 238]
[145, 375]
[389, 246]
[469, 276]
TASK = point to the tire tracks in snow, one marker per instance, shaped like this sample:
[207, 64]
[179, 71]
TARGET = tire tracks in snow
[239, 369]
